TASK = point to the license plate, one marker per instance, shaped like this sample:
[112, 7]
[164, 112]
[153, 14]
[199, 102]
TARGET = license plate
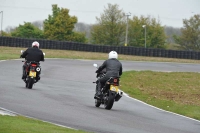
[32, 74]
[114, 88]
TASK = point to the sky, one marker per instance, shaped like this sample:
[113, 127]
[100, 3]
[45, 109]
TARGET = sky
[169, 12]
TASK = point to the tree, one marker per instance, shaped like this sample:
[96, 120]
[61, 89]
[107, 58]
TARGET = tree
[190, 38]
[38, 24]
[170, 32]
[60, 25]
[83, 28]
[78, 37]
[155, 36]
[6, 34]
[28, 31]
[110, 27]
[10, 29]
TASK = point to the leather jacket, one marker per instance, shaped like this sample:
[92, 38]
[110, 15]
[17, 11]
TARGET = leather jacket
[113, 68]
[33, 54]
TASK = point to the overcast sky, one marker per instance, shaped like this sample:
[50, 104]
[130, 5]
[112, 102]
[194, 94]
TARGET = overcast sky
[170, 12]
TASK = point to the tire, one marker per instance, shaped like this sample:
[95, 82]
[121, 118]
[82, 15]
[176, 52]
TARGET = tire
[26, 84]
[30, 83]
[97, 102]
[109, 101]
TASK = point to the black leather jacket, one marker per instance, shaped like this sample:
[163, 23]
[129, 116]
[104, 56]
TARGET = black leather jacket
[33, 54]
[113, 68]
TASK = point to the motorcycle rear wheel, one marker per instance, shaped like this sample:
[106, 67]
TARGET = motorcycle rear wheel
[30, 83]
[109, 101]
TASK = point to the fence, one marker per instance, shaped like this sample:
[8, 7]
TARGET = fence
[128, 50]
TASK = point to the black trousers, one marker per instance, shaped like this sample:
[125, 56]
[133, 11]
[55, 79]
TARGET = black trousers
[100, 83]
[24, 69]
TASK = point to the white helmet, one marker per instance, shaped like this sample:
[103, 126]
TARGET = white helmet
[112, 54]
[35, 43]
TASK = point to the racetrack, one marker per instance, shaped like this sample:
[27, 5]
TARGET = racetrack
[65, 96]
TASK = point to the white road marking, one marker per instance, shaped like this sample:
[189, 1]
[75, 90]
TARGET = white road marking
[4, 111]
[159, 108]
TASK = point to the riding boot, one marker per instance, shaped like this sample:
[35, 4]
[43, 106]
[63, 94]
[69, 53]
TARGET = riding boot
[98, 91]
[38, 77]
[23, 72]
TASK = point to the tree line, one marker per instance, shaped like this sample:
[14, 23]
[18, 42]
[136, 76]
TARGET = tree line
[110, 29]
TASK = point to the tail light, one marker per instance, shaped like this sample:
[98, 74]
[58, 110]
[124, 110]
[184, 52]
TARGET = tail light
[32, 68]
[115, 82]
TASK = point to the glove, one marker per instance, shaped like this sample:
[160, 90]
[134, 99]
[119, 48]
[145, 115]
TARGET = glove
[97, 71]
[97, 75]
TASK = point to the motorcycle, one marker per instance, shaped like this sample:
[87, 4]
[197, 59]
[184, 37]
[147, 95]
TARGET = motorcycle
[110, 91]
[32, 72]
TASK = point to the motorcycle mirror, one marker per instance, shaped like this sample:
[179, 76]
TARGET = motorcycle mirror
[22, 51]
[44, 54]
[95, 65]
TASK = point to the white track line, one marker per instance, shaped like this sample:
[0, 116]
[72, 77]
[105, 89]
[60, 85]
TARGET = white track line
[3, 112]
[8, 112]
[159, 108]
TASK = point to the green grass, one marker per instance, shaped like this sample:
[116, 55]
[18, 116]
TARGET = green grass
[178, 92]
[19, 124]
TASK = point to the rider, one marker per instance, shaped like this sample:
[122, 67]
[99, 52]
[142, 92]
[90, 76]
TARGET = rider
[113, 69]
[32, 54]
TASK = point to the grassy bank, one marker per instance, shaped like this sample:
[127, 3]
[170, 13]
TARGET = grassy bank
[19, 124]
[177, 92]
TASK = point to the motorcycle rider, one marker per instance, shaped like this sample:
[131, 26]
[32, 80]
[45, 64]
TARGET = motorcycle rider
[32, 54]
[113, 69]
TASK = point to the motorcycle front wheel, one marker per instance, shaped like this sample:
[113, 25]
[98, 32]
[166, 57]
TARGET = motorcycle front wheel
[97, 102]
[109, 100]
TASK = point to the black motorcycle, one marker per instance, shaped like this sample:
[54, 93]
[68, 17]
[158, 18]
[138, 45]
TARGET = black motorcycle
[110, 91]
[32, 72]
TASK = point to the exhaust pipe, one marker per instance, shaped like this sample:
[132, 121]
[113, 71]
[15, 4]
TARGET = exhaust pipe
[119, 95]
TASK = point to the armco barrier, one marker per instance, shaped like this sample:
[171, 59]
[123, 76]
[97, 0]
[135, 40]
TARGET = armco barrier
[65, 45]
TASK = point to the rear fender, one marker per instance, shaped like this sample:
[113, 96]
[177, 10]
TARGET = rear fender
[112, 94]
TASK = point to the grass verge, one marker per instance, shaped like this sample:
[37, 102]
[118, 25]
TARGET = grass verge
[20, 124]
[178, 92]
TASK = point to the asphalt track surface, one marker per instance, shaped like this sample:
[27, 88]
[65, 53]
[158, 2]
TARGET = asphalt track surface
[65, 93]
